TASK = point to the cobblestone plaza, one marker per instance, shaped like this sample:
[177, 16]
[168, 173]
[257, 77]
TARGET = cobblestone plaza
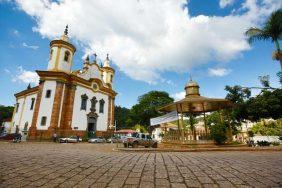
[96, 165]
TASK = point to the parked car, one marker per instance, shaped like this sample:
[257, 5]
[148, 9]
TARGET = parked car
[113, 140]
[140, 139]
[71, 139]
[97, 140]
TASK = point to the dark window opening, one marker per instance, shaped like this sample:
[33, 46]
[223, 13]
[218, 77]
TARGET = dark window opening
[51, 53]
[67, 56]
[101, 109]
[48, 93]
[32, 103]
[84, 99]
[43, 120]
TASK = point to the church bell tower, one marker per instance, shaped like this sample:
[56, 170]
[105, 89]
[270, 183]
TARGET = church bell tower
[61, 54]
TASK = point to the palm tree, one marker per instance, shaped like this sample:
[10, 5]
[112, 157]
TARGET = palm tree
[272, 30]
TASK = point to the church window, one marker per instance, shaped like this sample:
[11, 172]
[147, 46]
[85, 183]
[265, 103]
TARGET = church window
[51, 53]
[17, 107]
[67, 56]
[84, 99]
[48, 93]
[32, 103]
[111, 79]
[43, 120]
[101, 103]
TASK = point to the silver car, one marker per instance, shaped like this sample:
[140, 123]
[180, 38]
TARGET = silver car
[71, 139]
[97, 140]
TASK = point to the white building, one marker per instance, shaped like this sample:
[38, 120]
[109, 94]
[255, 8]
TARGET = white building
[67, 102]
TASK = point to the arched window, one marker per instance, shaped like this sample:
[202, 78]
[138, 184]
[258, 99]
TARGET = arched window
[51, 53]
[83, 102]
[67, 56]
[101, 103]
[111, 79]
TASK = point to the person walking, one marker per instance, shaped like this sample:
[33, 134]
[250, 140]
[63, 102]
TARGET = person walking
[55, 137]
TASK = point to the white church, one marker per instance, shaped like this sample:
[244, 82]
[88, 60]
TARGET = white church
[67, 102]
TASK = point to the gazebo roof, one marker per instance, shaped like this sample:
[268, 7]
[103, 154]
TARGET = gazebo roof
[195, 103]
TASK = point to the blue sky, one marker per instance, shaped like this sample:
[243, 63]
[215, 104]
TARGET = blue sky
[25, 35]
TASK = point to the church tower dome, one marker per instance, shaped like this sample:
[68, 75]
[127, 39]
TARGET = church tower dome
[61, 54]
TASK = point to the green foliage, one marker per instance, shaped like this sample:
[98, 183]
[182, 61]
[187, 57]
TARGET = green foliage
[266, 105]
[218, 132]
[251, 134]
[146, 108]
[121, 117]
[275, 143]
[268, 129]
[5, 112]
[271, 29]
[217, 128]
[140, 128]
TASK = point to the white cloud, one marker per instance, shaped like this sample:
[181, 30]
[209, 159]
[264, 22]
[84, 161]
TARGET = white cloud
[7, 71]
[178, 96]
[218, 72]
[147, 38]
[30, 46]
[16, 32]
[25, 76]
[225, 3]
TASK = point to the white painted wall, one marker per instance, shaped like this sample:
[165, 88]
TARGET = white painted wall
[156, 134]
[92, 72]
[24, 109]
[52, 60]
[46, 104]
[63, 65]
[80, 116]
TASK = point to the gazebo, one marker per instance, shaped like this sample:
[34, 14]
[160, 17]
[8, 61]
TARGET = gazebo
[194, 104]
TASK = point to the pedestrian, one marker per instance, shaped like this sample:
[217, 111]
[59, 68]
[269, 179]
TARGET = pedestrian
[77, 138]
[55, 137]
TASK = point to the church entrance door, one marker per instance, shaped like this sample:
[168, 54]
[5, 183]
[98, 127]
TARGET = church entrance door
[92, 126]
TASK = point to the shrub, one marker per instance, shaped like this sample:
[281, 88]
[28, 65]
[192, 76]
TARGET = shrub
[275, 143]
[263, 143]
[218, 133]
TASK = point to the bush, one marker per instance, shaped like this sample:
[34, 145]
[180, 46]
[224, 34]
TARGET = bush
[275, 143]
[218, 133]
[263, 143]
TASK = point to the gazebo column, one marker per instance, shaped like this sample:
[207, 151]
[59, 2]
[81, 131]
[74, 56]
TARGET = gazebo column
[229, 130]
[178, 124]
[205, 122]
[182, 123]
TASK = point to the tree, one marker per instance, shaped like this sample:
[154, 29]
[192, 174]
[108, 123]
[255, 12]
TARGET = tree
[238, 96]
[146, 108]
[5, 112]
[121, 117]
[266, 105]
[272, 30]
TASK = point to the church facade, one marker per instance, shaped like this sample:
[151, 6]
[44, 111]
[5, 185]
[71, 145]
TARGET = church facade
[67, 102]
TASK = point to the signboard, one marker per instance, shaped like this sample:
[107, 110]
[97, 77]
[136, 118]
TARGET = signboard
[172, 116]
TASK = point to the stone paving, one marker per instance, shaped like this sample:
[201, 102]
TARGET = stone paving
[86, 165]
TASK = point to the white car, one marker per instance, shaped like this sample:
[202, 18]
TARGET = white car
[71, 139]
[97, 140]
